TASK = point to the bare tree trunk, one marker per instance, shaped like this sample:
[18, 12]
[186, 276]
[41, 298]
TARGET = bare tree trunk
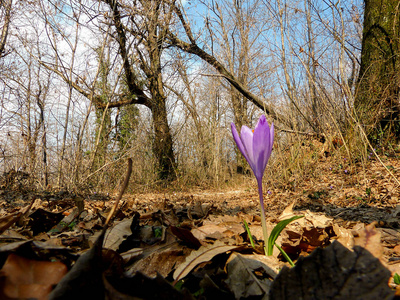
[162, 144]
[40, 104]
[377, 101]
[32, 131]
[6, 5]
[312, 69]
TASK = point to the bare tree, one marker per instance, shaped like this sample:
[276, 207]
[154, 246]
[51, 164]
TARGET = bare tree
[146, 26]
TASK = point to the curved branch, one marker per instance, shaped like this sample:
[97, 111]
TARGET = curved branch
[193, 48]
[121, 39]
[97, 100]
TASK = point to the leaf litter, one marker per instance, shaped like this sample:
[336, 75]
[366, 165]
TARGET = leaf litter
[193, 245]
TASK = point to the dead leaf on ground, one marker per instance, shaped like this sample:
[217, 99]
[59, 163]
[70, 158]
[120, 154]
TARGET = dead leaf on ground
[24, 278]
[214, 232]
[390, 237]
[9, 220]
[42, 220]
[344, 236]
[9, 236]
[306, 239]
[312, 219]
[159, 262]
[203, 254]
[249, 277]
[131, 254]
[257, 232]
[186, 236]
[312, 231]
[117, 234]
[44, 251]
[288, 212]
[370, 239]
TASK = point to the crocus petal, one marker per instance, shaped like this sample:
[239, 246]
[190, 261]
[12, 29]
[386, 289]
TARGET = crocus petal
[268, 149]
[261, 120]
[261, 145]
[271, 136]
[238, 141]
[246, 135]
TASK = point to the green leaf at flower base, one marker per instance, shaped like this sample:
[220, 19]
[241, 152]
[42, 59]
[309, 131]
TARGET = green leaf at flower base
[396, 278]
[285, 255]
[249, 233]
[277, 231]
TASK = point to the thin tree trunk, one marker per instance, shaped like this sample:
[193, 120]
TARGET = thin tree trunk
[312, 70]
[7, 20]
[40, 104]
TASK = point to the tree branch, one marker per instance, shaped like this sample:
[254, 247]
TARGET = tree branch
[196, 50]
[130, 76]
[97, 100]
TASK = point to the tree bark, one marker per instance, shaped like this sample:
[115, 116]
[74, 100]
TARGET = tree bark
[162, 143]
[377, 100]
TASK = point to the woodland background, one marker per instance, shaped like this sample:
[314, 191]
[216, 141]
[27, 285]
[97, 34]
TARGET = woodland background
[86, 84]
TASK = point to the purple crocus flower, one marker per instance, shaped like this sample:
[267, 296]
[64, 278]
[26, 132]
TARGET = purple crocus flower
[256, 147]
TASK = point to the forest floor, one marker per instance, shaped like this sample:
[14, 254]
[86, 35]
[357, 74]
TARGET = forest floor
[193, 244]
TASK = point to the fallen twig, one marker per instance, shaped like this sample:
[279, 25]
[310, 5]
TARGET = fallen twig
[121, 192]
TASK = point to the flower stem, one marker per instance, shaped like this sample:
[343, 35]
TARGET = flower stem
[263, 221]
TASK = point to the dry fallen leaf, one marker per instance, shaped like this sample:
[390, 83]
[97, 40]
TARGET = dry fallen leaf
[139, 286]
[117, 234]
[249, 276]
[24, 278]
[159, 262]
[288, 212]
[84, 280]
[317, 220]
[344, 236]
[7, 221]
[186, 236]
[370, 239]
[205, 253]
[211, 231]
[131, 254]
